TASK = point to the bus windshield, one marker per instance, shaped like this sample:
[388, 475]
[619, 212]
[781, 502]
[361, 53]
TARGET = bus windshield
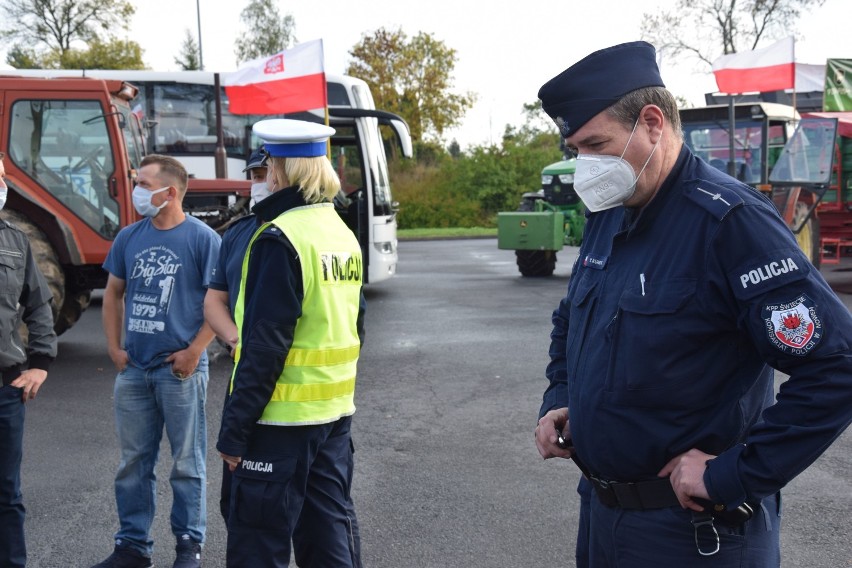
[181, 118]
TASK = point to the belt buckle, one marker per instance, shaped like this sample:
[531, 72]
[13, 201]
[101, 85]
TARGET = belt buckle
[605, 491]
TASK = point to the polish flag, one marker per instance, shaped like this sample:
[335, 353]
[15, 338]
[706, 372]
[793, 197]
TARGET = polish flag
[292, 80]
[771, 68]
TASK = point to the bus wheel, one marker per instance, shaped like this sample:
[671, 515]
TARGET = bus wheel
[808, 238]
[536, 263]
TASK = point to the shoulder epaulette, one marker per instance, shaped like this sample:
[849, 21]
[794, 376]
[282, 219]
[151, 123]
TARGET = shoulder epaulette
[718, 200]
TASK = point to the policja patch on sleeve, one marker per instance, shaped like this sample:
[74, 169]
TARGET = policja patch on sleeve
[793, 327]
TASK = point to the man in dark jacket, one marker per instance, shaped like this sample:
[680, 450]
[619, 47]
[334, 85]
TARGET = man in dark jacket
[24, 370]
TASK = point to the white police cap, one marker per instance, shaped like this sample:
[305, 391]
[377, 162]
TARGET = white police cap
[288, 138]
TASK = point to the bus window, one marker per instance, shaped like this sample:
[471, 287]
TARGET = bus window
[184, 116]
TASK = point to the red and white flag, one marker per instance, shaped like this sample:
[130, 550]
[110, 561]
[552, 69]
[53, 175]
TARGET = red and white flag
[292, 80]
[771, 68]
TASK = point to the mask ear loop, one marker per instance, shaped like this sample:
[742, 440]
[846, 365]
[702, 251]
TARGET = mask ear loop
[632, 132]
[651, 155]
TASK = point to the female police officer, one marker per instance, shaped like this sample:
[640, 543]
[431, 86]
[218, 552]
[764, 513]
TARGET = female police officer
[286, 426]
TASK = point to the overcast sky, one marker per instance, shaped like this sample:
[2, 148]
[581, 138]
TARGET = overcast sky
[506, 49]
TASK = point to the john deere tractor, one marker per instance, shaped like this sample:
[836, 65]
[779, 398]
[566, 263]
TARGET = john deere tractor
[545, 221]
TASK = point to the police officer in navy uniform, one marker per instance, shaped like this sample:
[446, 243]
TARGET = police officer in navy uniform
[221, 294]
[219, 311]
[688, 290]
[299, 313]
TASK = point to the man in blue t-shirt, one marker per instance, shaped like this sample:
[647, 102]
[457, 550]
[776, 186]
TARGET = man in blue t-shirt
[159, 269]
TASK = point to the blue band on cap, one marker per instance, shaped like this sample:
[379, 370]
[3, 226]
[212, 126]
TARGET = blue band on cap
[302, 150]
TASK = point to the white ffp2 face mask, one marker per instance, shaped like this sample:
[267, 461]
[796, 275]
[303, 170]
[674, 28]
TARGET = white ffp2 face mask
[603, 182]
[259, 192]
[4, 194]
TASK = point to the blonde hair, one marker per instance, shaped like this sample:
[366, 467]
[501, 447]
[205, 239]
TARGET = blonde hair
[315, 177]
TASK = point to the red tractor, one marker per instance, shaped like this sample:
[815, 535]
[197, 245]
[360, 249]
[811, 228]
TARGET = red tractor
[72, 147]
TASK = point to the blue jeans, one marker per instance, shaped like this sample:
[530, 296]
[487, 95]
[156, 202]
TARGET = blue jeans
[145, 401]
[13, 551]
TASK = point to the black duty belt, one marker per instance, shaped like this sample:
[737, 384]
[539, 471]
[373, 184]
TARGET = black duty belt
[653, 494]
[656, 494]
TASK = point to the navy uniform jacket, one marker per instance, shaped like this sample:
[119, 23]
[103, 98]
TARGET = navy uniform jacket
[272, 306]
[229, 268]
[673, 317]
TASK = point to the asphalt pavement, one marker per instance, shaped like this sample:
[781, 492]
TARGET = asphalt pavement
[447, 475]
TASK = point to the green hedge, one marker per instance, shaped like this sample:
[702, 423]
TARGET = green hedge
[469, 190]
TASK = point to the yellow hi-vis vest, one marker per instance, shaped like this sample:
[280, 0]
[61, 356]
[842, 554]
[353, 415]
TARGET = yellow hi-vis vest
[317, 384]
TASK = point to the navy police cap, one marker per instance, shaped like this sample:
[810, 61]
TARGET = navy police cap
[257, 159]
[288, 138]
[598, 81]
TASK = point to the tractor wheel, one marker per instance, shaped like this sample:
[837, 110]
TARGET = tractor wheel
[536, 263]
[76, 302]
[45, 257]
[808, 238]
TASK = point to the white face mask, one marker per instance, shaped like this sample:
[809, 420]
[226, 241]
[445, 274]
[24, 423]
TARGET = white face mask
[604, 182]
[142, 201]
[4, 194]
[259, 192]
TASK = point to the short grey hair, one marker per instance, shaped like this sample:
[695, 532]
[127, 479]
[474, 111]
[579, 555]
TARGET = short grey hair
[627, 109]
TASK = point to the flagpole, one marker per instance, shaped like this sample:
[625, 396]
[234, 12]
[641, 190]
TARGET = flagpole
[795, 72]
[327, 142]
[220, 155]
[732, 126]
[200, 52]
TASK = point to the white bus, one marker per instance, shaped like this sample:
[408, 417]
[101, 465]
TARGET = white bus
[178, 110]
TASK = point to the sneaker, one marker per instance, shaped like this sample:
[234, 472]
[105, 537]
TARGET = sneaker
[125, 557]
[187, 553]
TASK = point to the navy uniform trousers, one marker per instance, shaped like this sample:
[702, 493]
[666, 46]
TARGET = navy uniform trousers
[294, 483]
[610, 537]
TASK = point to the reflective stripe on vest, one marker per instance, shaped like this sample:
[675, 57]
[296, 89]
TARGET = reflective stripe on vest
[317, 384]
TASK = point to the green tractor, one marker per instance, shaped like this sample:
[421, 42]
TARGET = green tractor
[545, 221]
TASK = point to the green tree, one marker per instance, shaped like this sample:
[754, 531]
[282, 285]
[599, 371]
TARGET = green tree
[413, 78]
[189, 59]
[20, 57]
[453, 148]
[706, 29]
[54, 26]
[267, 31]
[443, 189]
[114, 54]
[536, 119]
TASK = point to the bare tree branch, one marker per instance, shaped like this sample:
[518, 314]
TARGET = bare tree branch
[703, 30]
[57, 24]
